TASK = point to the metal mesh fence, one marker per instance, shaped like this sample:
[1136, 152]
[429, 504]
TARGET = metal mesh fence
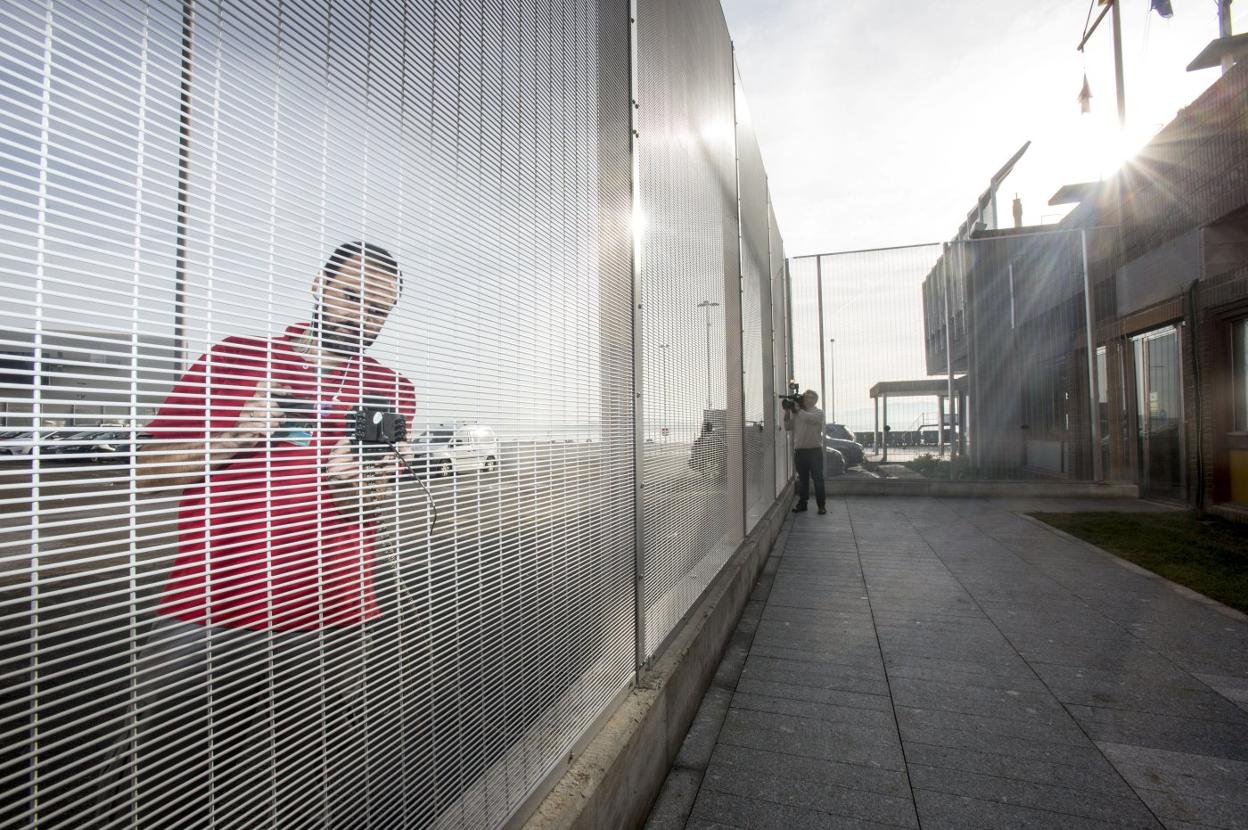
[967, 360]
[688, 257]
[374, 401]
[760, 424]
[779, 349]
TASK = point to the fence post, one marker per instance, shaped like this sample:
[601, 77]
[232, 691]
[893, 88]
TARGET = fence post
[1094, 397]
[639, 438]
[823, 398]
[944, 261]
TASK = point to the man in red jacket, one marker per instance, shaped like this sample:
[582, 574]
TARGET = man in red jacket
[259, 648]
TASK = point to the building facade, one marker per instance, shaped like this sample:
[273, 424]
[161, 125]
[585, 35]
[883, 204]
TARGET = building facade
[1163, 250]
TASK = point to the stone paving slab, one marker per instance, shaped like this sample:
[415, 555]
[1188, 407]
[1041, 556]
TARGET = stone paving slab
[951, 663]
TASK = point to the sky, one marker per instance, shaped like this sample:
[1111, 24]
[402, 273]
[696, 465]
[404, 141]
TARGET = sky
[881, 123]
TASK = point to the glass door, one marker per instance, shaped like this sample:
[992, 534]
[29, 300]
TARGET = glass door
[1159, 408]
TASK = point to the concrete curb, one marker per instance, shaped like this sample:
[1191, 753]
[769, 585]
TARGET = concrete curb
[613, 782]
[979, 489]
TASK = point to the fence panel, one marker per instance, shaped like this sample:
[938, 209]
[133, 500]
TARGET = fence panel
[687, 201]
[758, 402]
[219, 603]
[781, 350]
[319, 392]
[962, 361]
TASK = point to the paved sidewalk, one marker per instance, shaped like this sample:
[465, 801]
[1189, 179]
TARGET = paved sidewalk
[910, 662]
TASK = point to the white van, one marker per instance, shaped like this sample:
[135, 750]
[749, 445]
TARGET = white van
[461, 448]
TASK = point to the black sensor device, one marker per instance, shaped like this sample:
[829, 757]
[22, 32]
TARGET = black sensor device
[379, 426]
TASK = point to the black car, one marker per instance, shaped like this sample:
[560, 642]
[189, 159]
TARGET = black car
[709, 453]
[838, 437]
[112, 447]
[834, 464]
[93, 446]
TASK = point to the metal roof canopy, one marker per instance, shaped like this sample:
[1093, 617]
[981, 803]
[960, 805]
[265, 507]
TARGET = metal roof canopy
[927, 387]
[1071, 194]
[1236, 46]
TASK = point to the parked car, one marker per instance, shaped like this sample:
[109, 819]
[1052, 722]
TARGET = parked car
[64, 444]
[833, 463]
[838, 437]
[96, 446]
[447, 450]
[15, 441]
[709, 453]
[51, 443]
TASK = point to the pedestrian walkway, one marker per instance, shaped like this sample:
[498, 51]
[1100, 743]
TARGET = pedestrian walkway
[910, 662]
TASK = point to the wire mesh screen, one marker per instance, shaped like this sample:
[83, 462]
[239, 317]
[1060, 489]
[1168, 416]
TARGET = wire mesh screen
[807, 329]
[780, 350]
[759, 403]
[237, 590]
[960, 361]
[688, 256]
[320, 375]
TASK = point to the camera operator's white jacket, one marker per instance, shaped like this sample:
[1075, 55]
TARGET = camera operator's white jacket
[807, 428]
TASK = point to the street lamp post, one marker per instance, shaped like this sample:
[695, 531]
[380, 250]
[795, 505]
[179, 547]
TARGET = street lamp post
[663, 363]
[707, 305]
[832, 390]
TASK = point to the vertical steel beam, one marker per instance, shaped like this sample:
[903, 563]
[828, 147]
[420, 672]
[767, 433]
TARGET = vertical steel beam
[734, 364]
[832, 379]
[181, 243]
[788, 356]
[1224, 30]
[819, 297]
[875, 436]
[1119, 83]
[967, 410]
[639, 439]
[948, 290]
[1094, 397]
[884, 440]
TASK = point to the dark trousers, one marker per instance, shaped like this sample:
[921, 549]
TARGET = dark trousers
[809, 464]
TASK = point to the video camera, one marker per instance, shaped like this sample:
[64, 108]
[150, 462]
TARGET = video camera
[792, 401]
[379, 426]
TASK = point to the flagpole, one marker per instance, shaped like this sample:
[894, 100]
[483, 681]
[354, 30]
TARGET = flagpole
[1119, 85]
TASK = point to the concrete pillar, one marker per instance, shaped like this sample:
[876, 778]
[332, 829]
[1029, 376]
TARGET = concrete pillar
[961, 423]
[885, 433]
[875, 436]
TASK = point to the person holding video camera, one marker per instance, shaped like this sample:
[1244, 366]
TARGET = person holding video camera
[806, 423]
[266, 604]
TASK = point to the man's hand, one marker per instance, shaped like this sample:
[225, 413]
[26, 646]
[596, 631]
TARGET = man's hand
[178, 464]
[259, 415]
[360, 477]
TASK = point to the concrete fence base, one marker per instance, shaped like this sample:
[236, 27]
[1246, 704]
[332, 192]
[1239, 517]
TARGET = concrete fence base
[615, 779]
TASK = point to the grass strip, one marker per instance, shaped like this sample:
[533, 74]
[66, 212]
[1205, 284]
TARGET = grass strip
[1206, 554]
